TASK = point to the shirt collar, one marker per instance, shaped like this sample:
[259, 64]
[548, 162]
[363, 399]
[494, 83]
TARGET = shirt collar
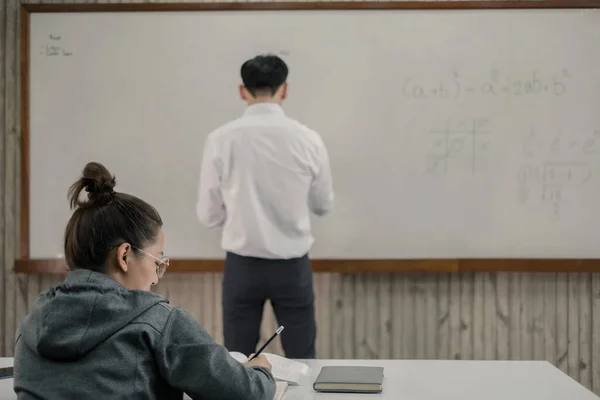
[264, 108]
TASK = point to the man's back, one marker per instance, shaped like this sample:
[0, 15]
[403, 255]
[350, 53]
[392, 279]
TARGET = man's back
[262, 175]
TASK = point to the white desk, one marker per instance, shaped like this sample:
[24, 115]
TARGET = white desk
[434, 380]
[6, 385]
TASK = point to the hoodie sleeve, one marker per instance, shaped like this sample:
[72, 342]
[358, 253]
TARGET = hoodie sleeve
[191, 361]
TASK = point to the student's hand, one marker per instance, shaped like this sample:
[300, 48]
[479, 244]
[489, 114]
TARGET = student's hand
[260, 361]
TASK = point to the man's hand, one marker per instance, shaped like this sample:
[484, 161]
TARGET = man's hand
[260, 361]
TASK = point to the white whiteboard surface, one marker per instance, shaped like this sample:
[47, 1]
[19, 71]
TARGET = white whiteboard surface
[454, 134]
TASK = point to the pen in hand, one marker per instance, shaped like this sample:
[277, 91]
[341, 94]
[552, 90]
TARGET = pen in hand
[277, 332]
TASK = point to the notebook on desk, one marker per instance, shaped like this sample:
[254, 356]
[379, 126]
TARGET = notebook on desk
[281, 388]
[283, 369]
[349, 379]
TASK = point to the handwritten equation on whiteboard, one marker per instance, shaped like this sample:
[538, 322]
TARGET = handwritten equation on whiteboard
[454, 85]
[459, 144]
[555, 167]
[54, 47]
[569, 166]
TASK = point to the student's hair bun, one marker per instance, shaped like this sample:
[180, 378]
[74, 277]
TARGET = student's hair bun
[97, 182]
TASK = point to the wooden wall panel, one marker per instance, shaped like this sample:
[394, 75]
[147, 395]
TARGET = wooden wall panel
[4, 268]
[483, 316]
[9, 167]
[487, 316]
[412, 316]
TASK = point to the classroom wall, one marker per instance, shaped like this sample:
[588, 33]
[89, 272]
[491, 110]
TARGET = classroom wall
[545, 316]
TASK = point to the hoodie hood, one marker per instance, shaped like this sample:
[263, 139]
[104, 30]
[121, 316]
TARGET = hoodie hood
[70, 320]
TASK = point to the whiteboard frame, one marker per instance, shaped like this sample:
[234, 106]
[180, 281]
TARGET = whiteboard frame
[57, 266]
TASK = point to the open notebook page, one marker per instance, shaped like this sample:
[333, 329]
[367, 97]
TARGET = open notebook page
[281, 388]
[283, 369]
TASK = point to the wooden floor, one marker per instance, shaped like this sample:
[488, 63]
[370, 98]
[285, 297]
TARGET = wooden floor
[505, 316]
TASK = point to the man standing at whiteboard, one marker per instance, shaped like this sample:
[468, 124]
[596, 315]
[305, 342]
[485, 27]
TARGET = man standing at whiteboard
[262, 175]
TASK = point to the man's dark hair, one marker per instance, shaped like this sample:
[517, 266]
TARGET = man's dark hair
[264, 74]
[105, 220]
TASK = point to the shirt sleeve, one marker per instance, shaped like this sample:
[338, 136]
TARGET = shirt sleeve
[210, 208]
[321, 195]
[191, 361]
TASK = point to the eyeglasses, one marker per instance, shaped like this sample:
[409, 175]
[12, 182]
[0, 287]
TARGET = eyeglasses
[161, 263]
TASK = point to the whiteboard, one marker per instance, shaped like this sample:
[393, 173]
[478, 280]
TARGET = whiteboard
[454, 134]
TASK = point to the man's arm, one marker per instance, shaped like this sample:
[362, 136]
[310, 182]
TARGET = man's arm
[210, 208]
[321, 195]
[191, 361]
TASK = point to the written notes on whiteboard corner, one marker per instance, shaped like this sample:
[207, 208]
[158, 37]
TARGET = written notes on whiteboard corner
[555, 166]
[568, 165]
[54, 47]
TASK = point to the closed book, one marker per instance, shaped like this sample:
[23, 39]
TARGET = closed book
[349, 379]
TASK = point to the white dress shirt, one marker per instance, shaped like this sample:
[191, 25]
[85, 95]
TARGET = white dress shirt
[262, 175]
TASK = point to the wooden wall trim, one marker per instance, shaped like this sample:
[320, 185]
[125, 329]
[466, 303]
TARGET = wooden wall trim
[28, 266]
[362, 266]
[24, 200]
[334, 5]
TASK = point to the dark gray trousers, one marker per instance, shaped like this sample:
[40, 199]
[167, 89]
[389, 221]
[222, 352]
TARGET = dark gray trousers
[248, 282]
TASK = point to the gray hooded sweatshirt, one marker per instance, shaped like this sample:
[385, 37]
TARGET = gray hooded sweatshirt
[91, 338]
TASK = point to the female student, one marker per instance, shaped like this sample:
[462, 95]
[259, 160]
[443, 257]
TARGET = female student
[102, 334]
